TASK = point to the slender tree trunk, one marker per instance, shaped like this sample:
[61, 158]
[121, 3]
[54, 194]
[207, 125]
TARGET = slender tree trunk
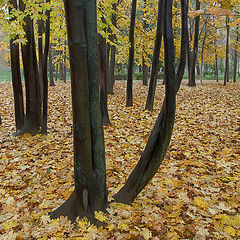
[16, 79]
[156, 53]
[65, 63]
[235, 58]
[103, 80]
[216, 61]
[192, 55]
[144, 72]
[159, 139]
[90, 192]
[202, 50]
[129, 101]
[45, 73]
[111, 79]
[61, 71]
[33, 105]
[0, 120]
[226, 72]
[56, 71]
[50, 61]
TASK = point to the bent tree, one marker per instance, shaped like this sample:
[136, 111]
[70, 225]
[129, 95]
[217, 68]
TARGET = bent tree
[90, 192]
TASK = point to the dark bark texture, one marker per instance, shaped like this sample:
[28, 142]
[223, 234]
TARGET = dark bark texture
[129, 101]
[90, 192]
[32, 84]
[226, 72]
[16, 80]
[103, 80]
[156, 54]
[159, 139]
[192, 55]
[235, 57]
[50, 64]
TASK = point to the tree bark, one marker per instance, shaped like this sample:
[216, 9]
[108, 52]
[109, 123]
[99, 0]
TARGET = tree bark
[156, 53]
[103, 80]
[144, 72]
[16, 79]
[159, 139]
[56, 71]
[33, 106]
[129, 101]
[43, 66]
[226, 72]
[235, 58]
[50, 61]
[192, 55]
[216, 61]
[90, 192]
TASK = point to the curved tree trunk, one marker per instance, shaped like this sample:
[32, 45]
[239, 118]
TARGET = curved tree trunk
[129, 101]
[103, 80]
[159, 139]
[192, 55]
[156, 53]
[16, 79]
[90, 192]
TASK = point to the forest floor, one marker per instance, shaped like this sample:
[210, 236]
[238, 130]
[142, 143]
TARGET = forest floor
[194, 195]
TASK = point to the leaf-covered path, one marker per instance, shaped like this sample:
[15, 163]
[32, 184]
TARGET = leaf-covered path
[194, 195]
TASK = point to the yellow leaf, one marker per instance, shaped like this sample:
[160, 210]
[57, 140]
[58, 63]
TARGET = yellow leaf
[198, 201]
[230, 231]
[99, 216]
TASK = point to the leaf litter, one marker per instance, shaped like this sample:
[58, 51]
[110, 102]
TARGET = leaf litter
[194, 195]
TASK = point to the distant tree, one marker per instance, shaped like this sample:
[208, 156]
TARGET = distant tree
[192, 53]
[236, 55]
[226, 71]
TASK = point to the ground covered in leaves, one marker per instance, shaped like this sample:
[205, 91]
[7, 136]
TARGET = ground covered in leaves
[194, 195]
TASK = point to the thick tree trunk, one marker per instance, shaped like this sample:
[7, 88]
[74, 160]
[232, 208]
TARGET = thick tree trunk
[103, 80]
[235, 58]
[90, 192]
[192, 55]
[159, 139]
[50, 63]
[226, 72]
[16, 79]
[33, 106]
[129, 101]
[156, 53]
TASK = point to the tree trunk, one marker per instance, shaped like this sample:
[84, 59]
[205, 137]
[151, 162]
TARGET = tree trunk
[192, 55]
[90, 192]
[51, 68]
[56, 71]
[202, 50]
[144, 72]
[216, 61]
[103, 80]
[61, 70]
[65, 63]
[33, 106]
[156, 53]
[235, 58]
[129, 101]
[16, 79]
[43, 66]
[159, 139]
[226, 72]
